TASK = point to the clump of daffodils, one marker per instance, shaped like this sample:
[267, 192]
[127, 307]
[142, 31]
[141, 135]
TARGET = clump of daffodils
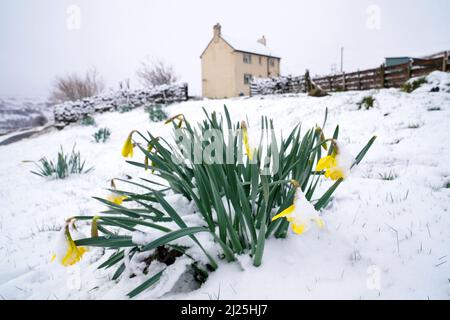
[250, 192]
[338, 164]
[66, 252]
[301, 213]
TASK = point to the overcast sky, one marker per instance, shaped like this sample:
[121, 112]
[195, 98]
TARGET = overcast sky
[40, 39]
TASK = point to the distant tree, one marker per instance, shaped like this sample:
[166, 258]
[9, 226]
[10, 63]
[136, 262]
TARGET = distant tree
[73, 86]
[155, 73]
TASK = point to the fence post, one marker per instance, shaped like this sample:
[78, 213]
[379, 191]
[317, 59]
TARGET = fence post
[307, 81]
[330, 83]
[186, 91]
[382, 76]
[409, 69]
[343, 81]
[444, 61]
[359, 80]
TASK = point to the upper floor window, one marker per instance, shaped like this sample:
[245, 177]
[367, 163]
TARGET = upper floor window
[272, 62]
[247, 58]
[247, 78]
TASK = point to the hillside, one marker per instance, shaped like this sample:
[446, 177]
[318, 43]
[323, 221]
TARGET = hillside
[389, 221]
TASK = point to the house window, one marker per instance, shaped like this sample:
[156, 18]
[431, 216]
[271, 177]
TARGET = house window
[247, 58]
[272, 62]
[260, 60]
[247, 78]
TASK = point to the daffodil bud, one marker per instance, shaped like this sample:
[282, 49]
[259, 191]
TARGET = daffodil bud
[322, 137]
[150, 148]
[248, 150]
[179, 117]
[94, 228]
[127, 150]
[295, 183]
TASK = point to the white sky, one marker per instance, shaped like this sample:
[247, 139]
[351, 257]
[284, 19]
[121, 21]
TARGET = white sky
[115, 35]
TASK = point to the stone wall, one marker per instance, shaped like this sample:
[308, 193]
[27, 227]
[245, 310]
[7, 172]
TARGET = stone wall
[277, 85]
[72, 111]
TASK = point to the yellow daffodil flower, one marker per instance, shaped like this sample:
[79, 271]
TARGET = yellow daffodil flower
[127, 150]
[330, 165]
[115, 197]
[337, 165]
[67, 253]
[300, 214]
[248, 150]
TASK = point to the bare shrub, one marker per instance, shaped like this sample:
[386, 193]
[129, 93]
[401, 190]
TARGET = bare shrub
[155, 73]
[73, 86]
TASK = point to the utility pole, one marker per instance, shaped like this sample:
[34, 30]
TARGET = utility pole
[342, 59]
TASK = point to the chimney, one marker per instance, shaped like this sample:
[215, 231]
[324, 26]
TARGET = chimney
[217, 31]
[262, 41]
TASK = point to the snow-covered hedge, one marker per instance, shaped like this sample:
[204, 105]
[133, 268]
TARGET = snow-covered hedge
[73, 111]
[277, 85]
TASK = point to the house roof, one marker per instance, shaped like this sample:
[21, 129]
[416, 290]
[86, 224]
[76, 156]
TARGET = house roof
[398, 57]
[246, 46]
[249, 46]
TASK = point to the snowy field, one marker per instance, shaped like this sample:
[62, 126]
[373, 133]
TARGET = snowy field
[384, 239]
[21, 114]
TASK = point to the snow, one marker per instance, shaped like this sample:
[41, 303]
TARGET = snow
[383, 239]
[23, 113]
[249, 46]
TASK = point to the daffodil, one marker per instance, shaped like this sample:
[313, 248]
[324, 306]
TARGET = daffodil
[114, 196]
[149, 149]
[337, 165]
[300, 214]
[66, 252]
[321, 137]
[127, 150]
[248, 150]
[94, 227]
[179, 117]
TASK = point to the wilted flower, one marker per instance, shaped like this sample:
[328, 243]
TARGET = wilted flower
[300, 214]
[338, 164]
[66, 252]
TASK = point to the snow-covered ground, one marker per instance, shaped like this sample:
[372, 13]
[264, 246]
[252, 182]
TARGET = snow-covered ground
[383, 239]
[23, 113]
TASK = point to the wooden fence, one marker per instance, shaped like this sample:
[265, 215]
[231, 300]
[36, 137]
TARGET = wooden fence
[382, 77]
